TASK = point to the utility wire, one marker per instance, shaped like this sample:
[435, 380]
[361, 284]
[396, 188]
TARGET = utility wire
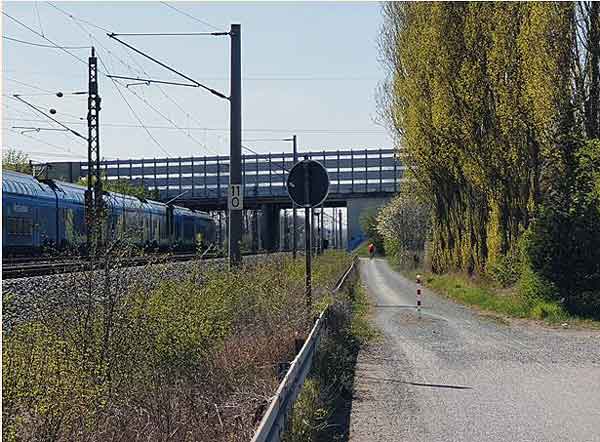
[78, 18]
[43, 45]
[77, 21]
[74, 132]
[219, 129]
[168, 97]
[62, 48]
[165, 117]
[52, 154]
[28, 85]
[40, 141]
[107, 72]
[37, 12]
[135, 114]
[155, 34]
[140, 68]
[209, 89]
[190, 16]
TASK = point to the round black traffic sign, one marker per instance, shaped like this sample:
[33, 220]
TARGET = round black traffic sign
[308, 183]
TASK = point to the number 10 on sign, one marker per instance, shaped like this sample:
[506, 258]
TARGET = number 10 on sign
[235, 201]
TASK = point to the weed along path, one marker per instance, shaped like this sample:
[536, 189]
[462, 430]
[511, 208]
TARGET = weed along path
[453, 375]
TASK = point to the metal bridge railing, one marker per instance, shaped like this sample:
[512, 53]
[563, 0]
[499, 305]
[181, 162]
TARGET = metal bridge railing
[350, 171]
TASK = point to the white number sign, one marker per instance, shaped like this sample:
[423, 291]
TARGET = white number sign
[235, 200]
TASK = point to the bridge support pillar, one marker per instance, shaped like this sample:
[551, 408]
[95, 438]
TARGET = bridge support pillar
[270, 227]
[356, 207]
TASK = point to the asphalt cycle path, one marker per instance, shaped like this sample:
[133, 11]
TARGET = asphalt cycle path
[455, 375]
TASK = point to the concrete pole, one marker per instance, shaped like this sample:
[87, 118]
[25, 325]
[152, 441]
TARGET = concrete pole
[234, 237]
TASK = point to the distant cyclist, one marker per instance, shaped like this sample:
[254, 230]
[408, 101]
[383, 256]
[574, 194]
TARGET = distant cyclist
[371, 250]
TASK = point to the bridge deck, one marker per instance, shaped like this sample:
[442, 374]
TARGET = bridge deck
[353, 173]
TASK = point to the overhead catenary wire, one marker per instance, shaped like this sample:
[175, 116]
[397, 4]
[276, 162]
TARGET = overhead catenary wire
[105, 73]
[79, 18]
[169, 34]
[39, 140]
[37, 12]
[167, 96]
[46, 38]
[48, 154]
[204, 22]
[160, 63]
[27, 85]
[223, 129]
[140, 98]
[43, 45]
[165, 117]
[77, 21]
[74, 132]
[160, 146]
[128, 66]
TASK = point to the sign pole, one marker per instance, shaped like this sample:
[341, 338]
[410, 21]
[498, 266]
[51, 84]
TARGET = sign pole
[307, 239]
[308, 186]
[294, 222]
[307, 252]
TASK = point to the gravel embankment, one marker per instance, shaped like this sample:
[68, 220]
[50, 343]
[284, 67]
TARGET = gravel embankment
[36, 297]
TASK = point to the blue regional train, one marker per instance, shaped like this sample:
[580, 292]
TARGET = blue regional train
[41, 215]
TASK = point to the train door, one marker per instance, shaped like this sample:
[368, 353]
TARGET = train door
[36, 226]
[170, 225]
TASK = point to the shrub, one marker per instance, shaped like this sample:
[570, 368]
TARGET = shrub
[505, 270]
[548, 311]
[369, 222]
[404, 224]
[563, 245]
[184, 352]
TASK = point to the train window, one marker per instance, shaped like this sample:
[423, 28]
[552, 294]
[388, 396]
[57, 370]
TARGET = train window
[19, 226]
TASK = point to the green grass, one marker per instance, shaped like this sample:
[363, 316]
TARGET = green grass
[489, 297]
[479, 293]
[89, 368]
[362, 250]
[326, 392]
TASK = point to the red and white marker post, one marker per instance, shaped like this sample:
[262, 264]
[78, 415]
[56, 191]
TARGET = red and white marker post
[419, 295]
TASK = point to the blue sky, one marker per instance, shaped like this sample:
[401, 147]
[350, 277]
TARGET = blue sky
[308, 68]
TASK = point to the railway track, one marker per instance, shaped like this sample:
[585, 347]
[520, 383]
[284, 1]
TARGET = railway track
[23, 268]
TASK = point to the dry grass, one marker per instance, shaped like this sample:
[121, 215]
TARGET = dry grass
[160, 356]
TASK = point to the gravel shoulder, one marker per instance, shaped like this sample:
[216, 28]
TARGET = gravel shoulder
[453, 375]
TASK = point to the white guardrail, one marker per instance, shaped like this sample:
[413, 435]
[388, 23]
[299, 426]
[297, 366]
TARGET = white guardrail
[272, 425]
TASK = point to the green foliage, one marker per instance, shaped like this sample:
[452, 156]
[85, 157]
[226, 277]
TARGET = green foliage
[514, 303]
[369, 222]
[505, 270]
[479, 294]
[548, 311]
[489, 116]
[125, 187]
[533, 287]
[404, 224]
[147, 353]
[13, 159]
[564, 245]
[362, 250]
[329, 388]
[309, 412]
